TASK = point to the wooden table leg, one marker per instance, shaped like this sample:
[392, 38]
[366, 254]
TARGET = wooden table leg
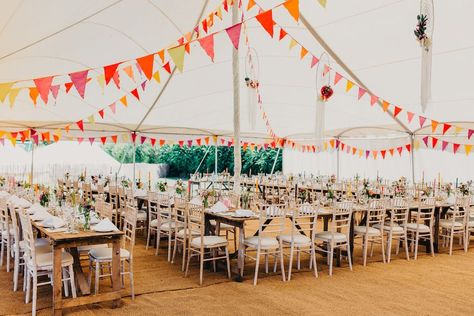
[241, 251]
[81, 280]
[57, 281]
[116, 282]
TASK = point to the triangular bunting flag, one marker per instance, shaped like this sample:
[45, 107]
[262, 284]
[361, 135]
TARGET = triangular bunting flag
[134, 92]
[373, 99]
[142, 139]
[361, 93]
[468, 149]
[425, 140]
[153, 141]
[114, 138]
[55, 90]
[266, 20]
[408, 147]
[434, 125]
[396, 111]
[349, 85]
[434, 141]
[337, 78]
[293, 8]
[109, 72]
[4, 90]
[101, 113]
[167, 67]
[79, 79]
[80, 124]
[112, 107]
[207, 44]
[292, 43]
[124, 101]
[156, 76]
[43, 85]
[12, 96]
[422, 121]
[322, 3]
[146, 65]
[456, 147]
[234, 34]
[250, 4]
[91, 140]
[34, 95]
[282, 34]
[129, 71]
[103, 139]
[444, 144]
[446, 127]
[303, 52]
[385, 105]
[314, 61]
[410, 116]
[469, 133]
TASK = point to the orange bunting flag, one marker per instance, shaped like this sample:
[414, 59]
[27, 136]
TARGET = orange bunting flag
[124, 101]
[162, 142]
[207, 44]
[391, 150]
[349, 85]
[293, 8]
[109, 72]
[331, 142]
[129, 71]
[468, 149]
[374, 154]
[79, 80]
[250, 4]
[410, 116]
[385, 105]
[266, 20]
[303, 52]
[43, 85]
[34, 95]
[146, 65]
[373, 99]
[434, 125]
[114, 138]
[282, 34]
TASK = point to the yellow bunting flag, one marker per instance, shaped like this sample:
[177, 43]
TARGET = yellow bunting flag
[125, 137]
[250, 4]
[458, 129]
[385, 105]
[177, 55]
[325, 146]
[322, 3]
[101, 81]
[214, 138]
[416, 144]
[156, 76]
[12, 96]
[292, 43]
[4, 90]
[91, 119]
[468, 149]
[349, 85]
[360, 153]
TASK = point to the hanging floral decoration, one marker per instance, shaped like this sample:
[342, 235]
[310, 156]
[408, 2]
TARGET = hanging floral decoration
[251, 83]
[326, 92]
[420, 31]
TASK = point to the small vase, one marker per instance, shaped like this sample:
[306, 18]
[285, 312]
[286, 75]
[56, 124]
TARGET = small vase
[206, 203]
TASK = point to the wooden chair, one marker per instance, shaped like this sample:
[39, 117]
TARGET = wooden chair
[181, 229]
[457, 224]
[197, 245]
[395, 225]
[7, 233]
[420, 225]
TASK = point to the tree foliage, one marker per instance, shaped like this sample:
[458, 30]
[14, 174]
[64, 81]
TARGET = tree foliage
[183, 161]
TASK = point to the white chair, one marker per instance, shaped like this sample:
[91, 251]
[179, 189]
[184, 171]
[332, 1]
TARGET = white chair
[100, 258]
[301, 238]
[7, 233]
[372, 231]
[395, 225]
[181, 229]
[197, 246]
[166, 221]
[420, 225]
[457, 224]
[337, 235]
[41, 264]
[271, 224]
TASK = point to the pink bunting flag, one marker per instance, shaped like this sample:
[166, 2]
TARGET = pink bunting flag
[361, 93]
[190, 143]
[367, 153]
[422, 121]
[234, 34]
[55, 90]
[79, 80]
[43, 85]
[112, 107]
[469, 133]
[400, 149]
[35, 138]
[116, 79]
[314, 61]
[337, 78]
[373, 99]
[91, 140]
[207, 44]
[425, 140]
[143, 85]
[410, 116]
[326, 70]
[142, 139]
[444, 144]
[80, 139]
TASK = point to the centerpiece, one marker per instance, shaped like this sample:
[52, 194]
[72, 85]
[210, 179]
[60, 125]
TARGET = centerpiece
[179, 187]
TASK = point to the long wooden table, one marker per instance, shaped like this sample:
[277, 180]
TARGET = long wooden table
[63, 240]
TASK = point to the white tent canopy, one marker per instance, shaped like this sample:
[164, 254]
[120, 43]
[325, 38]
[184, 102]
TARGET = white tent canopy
[372, 40]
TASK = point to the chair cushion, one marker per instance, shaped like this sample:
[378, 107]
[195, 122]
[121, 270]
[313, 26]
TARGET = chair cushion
[106, 253]
[141, 216]
[154, 223]
[182, 232]
[361, 230]
[171, 225]
[88, 248]
[395, 228]
[265, 242]
[422, 227]
[298, 239]
[327, 236]
[45, 260]
[209, 241]
[447, 223]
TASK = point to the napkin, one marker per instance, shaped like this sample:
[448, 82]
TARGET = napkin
[21, 202]
[244, 213]
[53, 222]
[139, 192]
[4, 194]
[94, 218]
[196, 200]
[105, 225]
[219, 207]
[36, 208]
[40, 215]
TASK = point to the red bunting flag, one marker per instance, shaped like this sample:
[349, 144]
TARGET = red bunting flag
[101, 113]
[400, 149]
[146, 64]
[134, 136]
[181, 143]
[282, 34]
[446, 127]
[408, 147]
[434, 141]
[207, 44]
[455, 147]
[266, 20]
[79, 79]
[167, 67]
[103, 139]
[68, 86]
[234, 34]
[469, 133]
[116, 78]
[198, 141]
[153, 141]
[142, 139]
[80, 124]
[134, 92]
[204, 25]
[109, 72]
[383, 152]
[396, 111]
[43, 85]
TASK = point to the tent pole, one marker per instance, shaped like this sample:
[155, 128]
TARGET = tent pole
[202, 160]
[134, 152]
[32, 162]
[276, 159]
[337, 163]
[236, 78]
[215, 160]
[412, 158]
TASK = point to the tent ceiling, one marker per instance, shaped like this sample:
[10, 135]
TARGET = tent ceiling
[373, 37]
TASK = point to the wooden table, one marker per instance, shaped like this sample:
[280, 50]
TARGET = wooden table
[63, 240]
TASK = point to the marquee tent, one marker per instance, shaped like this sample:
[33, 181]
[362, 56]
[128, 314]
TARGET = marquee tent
[41, 39]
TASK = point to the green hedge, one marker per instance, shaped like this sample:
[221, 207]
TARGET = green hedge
[184, 160]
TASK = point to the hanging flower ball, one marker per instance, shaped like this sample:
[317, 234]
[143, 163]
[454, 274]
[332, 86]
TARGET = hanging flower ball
[251, 83]
[326, 92]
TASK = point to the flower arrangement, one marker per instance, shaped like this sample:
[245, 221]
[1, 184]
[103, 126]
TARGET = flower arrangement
[205, 194]
[400, 187]
[464, 189]
[139, 184]
[448, 188]
[420, 31]
[125, 182]
[251, 83]
[332, 179]
[85, 211]
[44, 197]
[179, 187]
[326, 92]
[330, 194]
[427, 190]
[3, 181]
[246, 198]
[162, 186]
[82, 178]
